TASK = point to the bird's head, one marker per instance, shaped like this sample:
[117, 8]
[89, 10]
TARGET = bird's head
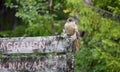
[72, 19]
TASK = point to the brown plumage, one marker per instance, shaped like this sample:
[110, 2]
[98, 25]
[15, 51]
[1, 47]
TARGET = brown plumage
[70, 28]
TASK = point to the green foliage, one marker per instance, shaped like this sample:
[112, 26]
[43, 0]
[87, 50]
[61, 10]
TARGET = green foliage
[110, 5]
[19, 31]
[99, 50]
[28, 11]
[38, 18]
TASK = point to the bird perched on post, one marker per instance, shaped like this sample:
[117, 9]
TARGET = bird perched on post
[71, 29]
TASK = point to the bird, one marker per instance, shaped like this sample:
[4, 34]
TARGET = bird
[71, 29]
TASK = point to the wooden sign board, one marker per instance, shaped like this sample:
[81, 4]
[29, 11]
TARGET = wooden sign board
[58, 63]
[64, 62]
[35, 45]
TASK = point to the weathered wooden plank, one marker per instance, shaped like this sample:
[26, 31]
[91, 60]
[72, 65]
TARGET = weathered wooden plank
[36, 64]
[35, 44]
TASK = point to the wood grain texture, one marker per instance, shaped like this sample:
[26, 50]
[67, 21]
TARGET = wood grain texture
[36, 44]
[64, 46]
[36, 64]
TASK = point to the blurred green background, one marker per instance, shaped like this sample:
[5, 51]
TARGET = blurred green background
[99, 20]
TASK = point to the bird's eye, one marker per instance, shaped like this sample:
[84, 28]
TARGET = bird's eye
[70, 20]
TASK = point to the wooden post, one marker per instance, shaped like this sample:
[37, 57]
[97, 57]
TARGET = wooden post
[64, 62]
